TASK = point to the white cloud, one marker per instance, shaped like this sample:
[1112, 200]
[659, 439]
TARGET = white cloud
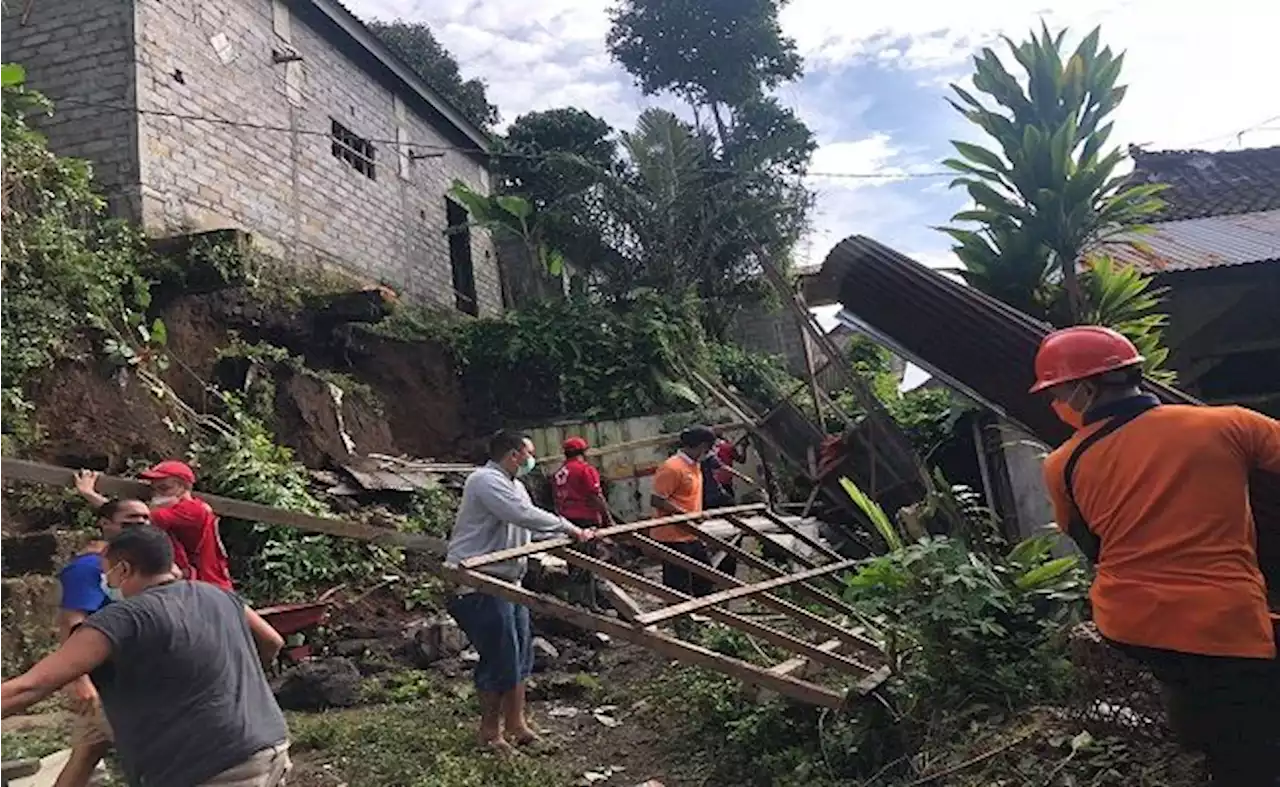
[1197, 74]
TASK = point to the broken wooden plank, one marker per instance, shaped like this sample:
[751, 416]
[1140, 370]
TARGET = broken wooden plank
[37, 472]
[549, 544]
[695, 604]
[625, 605]
[798, 663]
[654, 640]
[751, 627]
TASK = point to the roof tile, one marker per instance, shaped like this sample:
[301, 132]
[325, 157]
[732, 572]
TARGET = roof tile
[1211, 183]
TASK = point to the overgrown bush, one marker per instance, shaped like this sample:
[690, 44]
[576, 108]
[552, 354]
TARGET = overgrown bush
[72, 284]
[969, 628]
[276, 563]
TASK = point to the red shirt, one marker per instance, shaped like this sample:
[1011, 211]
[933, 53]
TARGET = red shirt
[192, 525]
[724, 452]
[576, 484]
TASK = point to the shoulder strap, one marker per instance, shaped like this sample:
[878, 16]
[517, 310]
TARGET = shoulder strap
[1077, 527]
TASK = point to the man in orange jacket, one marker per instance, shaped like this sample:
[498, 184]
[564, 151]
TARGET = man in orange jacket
[1157, 496]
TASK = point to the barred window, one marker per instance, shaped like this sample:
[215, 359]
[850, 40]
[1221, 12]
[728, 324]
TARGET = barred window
[357, 151]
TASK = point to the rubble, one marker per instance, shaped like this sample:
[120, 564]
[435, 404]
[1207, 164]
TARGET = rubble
[319, 684]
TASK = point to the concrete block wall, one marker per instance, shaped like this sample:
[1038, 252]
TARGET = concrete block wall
[79, 53]
[773, 332]
[277, 176]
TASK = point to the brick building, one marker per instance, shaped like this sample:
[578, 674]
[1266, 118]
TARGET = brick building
[286, 118]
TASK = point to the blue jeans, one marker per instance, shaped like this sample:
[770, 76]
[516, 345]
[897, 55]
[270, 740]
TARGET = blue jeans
[499, 631]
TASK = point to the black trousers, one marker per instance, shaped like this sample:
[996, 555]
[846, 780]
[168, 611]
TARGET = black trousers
[678, 578]
[1227, 708]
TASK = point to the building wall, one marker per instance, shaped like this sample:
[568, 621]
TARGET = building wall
[79, 54]
[775, 332]
[283, 181]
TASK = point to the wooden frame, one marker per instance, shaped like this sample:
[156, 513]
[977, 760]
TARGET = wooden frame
[634, 623]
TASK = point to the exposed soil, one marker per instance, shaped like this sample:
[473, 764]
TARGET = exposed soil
[94, 420]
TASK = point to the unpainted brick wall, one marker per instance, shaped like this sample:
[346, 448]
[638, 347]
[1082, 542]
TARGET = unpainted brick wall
[286, 185]
[79, 54]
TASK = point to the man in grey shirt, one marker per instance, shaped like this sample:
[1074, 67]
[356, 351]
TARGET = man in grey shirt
[496, 514]
[179, 668]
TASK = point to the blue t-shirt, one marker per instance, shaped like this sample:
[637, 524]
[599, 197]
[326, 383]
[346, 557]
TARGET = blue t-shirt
[81, 581]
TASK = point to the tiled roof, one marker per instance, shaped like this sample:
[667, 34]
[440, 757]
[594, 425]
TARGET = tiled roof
[1211, 183]
[1195, 244]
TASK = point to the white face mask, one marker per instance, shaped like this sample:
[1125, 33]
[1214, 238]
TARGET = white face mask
[114, 594]
[526, 467]
[164, 502]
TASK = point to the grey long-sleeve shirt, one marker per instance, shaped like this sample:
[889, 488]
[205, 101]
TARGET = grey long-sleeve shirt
[497, 513]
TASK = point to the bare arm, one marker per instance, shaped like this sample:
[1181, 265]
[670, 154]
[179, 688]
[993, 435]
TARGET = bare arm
[81, 689]
[665, 506]
[84, 650]
[85, 482]
[267, 639]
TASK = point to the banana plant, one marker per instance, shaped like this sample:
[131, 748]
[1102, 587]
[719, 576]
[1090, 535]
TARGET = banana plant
[512, 216]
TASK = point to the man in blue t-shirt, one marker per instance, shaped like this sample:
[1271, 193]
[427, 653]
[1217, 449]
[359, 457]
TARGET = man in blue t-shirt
[84, 593]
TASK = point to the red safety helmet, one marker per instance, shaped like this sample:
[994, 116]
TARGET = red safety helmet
[1080, 353]
[170, 468]
[574, 444]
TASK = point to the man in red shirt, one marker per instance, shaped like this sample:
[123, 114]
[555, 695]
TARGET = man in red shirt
[579, 497]
[189, 521]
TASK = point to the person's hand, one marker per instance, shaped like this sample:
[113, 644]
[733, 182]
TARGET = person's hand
[85, 481]
[83, 696]
[581, 534]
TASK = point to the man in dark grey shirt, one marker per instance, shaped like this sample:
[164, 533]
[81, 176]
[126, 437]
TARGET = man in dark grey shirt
[179, 668]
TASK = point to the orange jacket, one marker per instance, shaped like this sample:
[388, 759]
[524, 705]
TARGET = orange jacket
[1167, 494]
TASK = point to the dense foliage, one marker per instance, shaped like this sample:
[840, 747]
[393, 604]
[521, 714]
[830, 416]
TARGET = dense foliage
[415, 44]
[72, 286]
[1048, 193]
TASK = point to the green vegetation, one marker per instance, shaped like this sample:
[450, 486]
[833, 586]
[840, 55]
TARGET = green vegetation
[416, 45]
[1048, 194]
[72, 282]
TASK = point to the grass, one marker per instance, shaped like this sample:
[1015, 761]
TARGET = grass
[428, 739]
[34, 742]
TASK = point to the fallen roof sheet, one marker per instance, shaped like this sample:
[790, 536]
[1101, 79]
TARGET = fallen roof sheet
[984, 345]
[1197, 244]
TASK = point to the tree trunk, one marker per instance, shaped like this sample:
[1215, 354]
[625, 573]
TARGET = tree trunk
[721, 128]
[1071, 282]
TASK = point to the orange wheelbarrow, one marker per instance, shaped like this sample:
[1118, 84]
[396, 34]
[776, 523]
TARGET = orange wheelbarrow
[290, 619]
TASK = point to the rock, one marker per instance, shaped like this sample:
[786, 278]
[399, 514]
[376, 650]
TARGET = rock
[434, 639]
[319, 684]
[470, 657]
[354, 647]
[600, 640]
[544, 654]
[562, 687]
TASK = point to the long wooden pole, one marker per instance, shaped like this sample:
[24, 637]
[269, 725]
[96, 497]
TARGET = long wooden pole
[695, 604]
[39, 473]
[668, 646]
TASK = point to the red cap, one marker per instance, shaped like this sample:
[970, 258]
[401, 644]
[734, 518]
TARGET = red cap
[574, 444]
[170, 468]
[1082, 352]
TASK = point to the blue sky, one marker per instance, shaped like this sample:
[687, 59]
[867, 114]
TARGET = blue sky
[876, 78]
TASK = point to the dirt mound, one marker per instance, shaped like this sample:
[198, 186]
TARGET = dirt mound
[94, 420]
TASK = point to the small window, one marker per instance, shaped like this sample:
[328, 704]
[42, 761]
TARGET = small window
[355, 150]
[464, 274]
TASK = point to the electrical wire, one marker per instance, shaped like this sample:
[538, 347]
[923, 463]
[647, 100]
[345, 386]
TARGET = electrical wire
[436, 147]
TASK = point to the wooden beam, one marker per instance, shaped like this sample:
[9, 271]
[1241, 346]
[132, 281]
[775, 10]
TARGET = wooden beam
[625, 605]
[745, 625]
[644, 442]
[695, 604]
[812, 591]
[800, 535]
[549, 544]
[654, 640]
[764, 538]
[51, 475]
[801, 615]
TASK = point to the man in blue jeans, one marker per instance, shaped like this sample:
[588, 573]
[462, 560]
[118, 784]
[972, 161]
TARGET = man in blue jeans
[496, 513]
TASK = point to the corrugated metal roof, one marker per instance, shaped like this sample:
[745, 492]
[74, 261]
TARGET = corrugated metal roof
[983, 344]
[1211, 183]
[1196, 244]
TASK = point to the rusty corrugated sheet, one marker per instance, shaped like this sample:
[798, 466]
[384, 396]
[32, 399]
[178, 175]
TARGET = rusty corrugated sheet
[1195, 244]
[983, 344]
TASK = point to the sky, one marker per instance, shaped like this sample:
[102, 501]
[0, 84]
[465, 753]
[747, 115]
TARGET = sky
[876, 79]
